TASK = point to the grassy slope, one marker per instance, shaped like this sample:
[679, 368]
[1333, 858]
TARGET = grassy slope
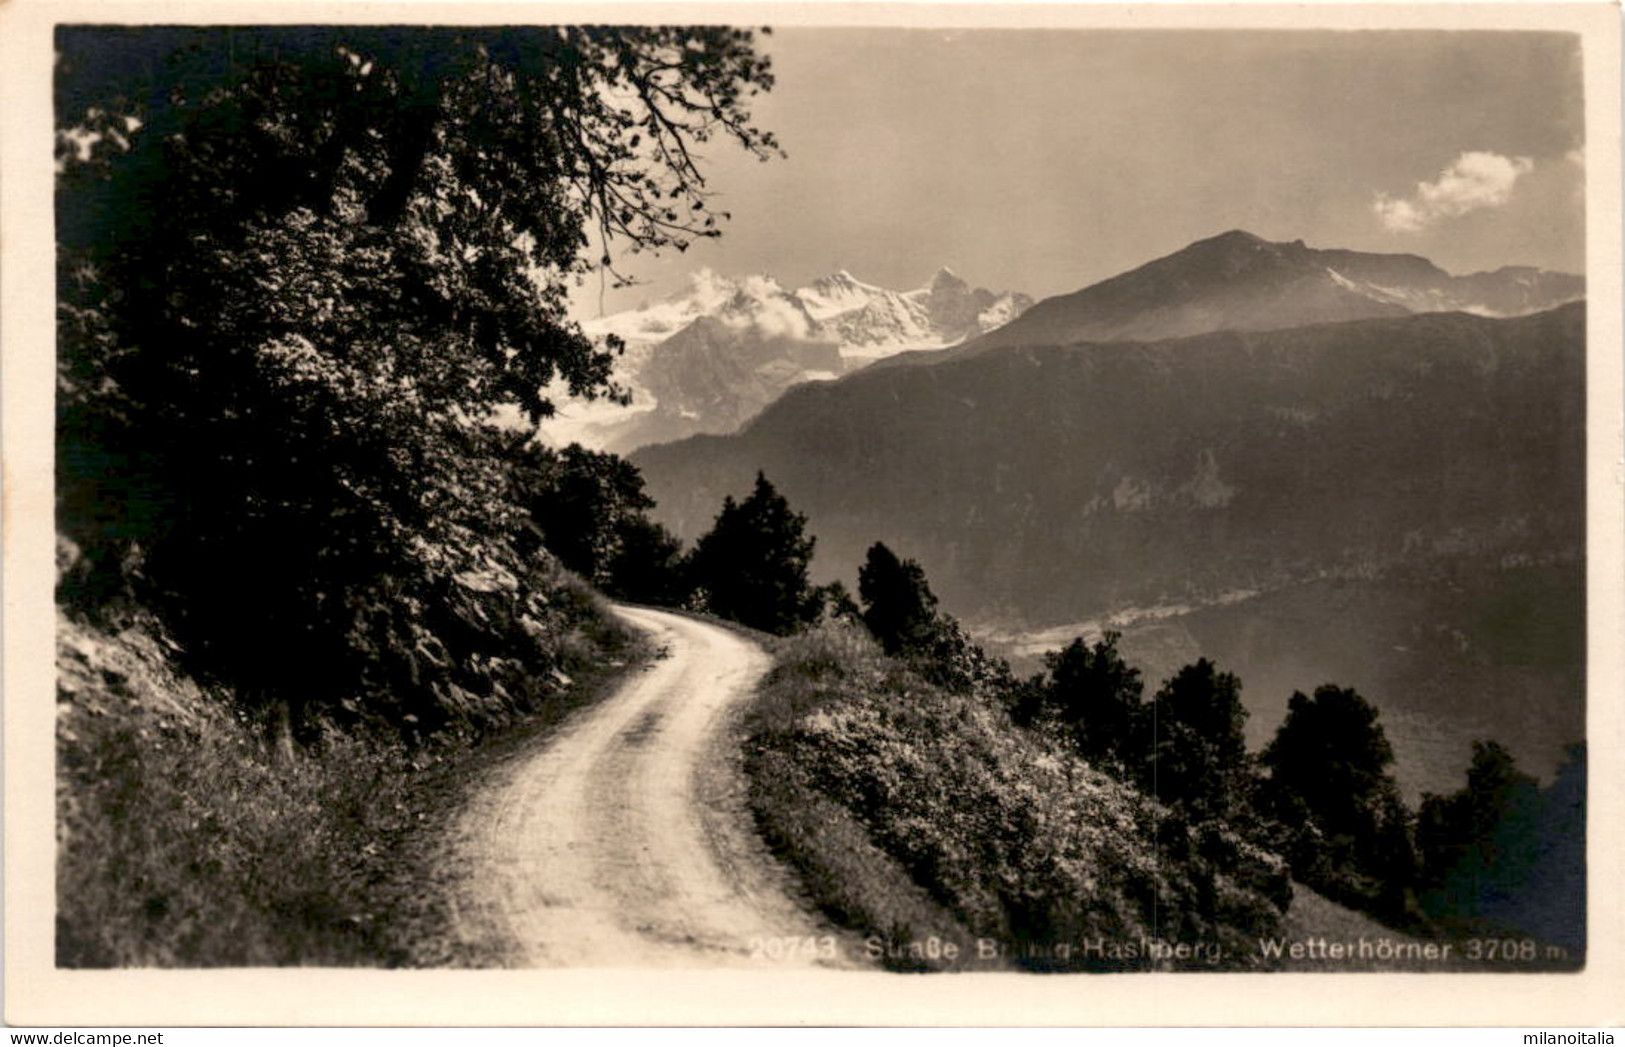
[186, 838]
[909, 812]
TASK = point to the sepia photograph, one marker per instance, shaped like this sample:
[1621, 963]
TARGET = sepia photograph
[832, 497]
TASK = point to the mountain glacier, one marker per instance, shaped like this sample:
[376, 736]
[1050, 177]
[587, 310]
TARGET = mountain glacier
[871, 322]
[709, 357]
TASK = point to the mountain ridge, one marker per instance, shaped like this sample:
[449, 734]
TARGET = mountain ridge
[1239, 280]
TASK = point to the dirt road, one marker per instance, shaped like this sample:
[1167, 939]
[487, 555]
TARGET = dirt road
[625, 840]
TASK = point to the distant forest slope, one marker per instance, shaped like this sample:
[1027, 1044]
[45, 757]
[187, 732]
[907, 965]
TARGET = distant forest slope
[1047, 484]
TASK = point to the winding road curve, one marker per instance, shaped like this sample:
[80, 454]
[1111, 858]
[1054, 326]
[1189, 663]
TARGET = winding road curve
[626, 840]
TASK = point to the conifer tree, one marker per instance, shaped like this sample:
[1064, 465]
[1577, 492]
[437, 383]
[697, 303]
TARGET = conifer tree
[752, 565]
[898, 606]
[1330, 786]
[1096, 696]
[1198, 748]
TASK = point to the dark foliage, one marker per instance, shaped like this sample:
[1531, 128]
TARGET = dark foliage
[900, 612]
[752, 566]
[579, 501]
[1094, 695]
[1198, 751]
[1504, 854]
[898, 606]
[935, 808]
[956, 663]
[649, 567]
[590, 511]
[1330, 788]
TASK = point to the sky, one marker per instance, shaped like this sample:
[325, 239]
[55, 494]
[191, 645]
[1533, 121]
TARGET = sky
[1045, 160]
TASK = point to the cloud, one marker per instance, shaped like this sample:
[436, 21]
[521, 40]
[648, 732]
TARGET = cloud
[761, 303]
[777, 317]
[1473, 181]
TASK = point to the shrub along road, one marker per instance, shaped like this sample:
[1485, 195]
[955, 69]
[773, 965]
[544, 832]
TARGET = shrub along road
[626, 840]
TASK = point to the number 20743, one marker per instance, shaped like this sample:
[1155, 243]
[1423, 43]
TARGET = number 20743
[811, 947]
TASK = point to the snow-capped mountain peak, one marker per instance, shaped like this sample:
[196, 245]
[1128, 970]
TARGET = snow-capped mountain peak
[709, 355]
[872, 321]
[838, 293]
[705, 292]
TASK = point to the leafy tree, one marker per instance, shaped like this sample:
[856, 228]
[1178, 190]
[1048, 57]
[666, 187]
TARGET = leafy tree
[1486, 850]
[1501, 803]
[300, 268]
[954, 661]
[1094, 695]
[590, 510]
[580, 501]
[1396, 862]
[899, 610]
[1198, 748]
[1330, 785]
[898, 606]
[648, 568]
[752, 565]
